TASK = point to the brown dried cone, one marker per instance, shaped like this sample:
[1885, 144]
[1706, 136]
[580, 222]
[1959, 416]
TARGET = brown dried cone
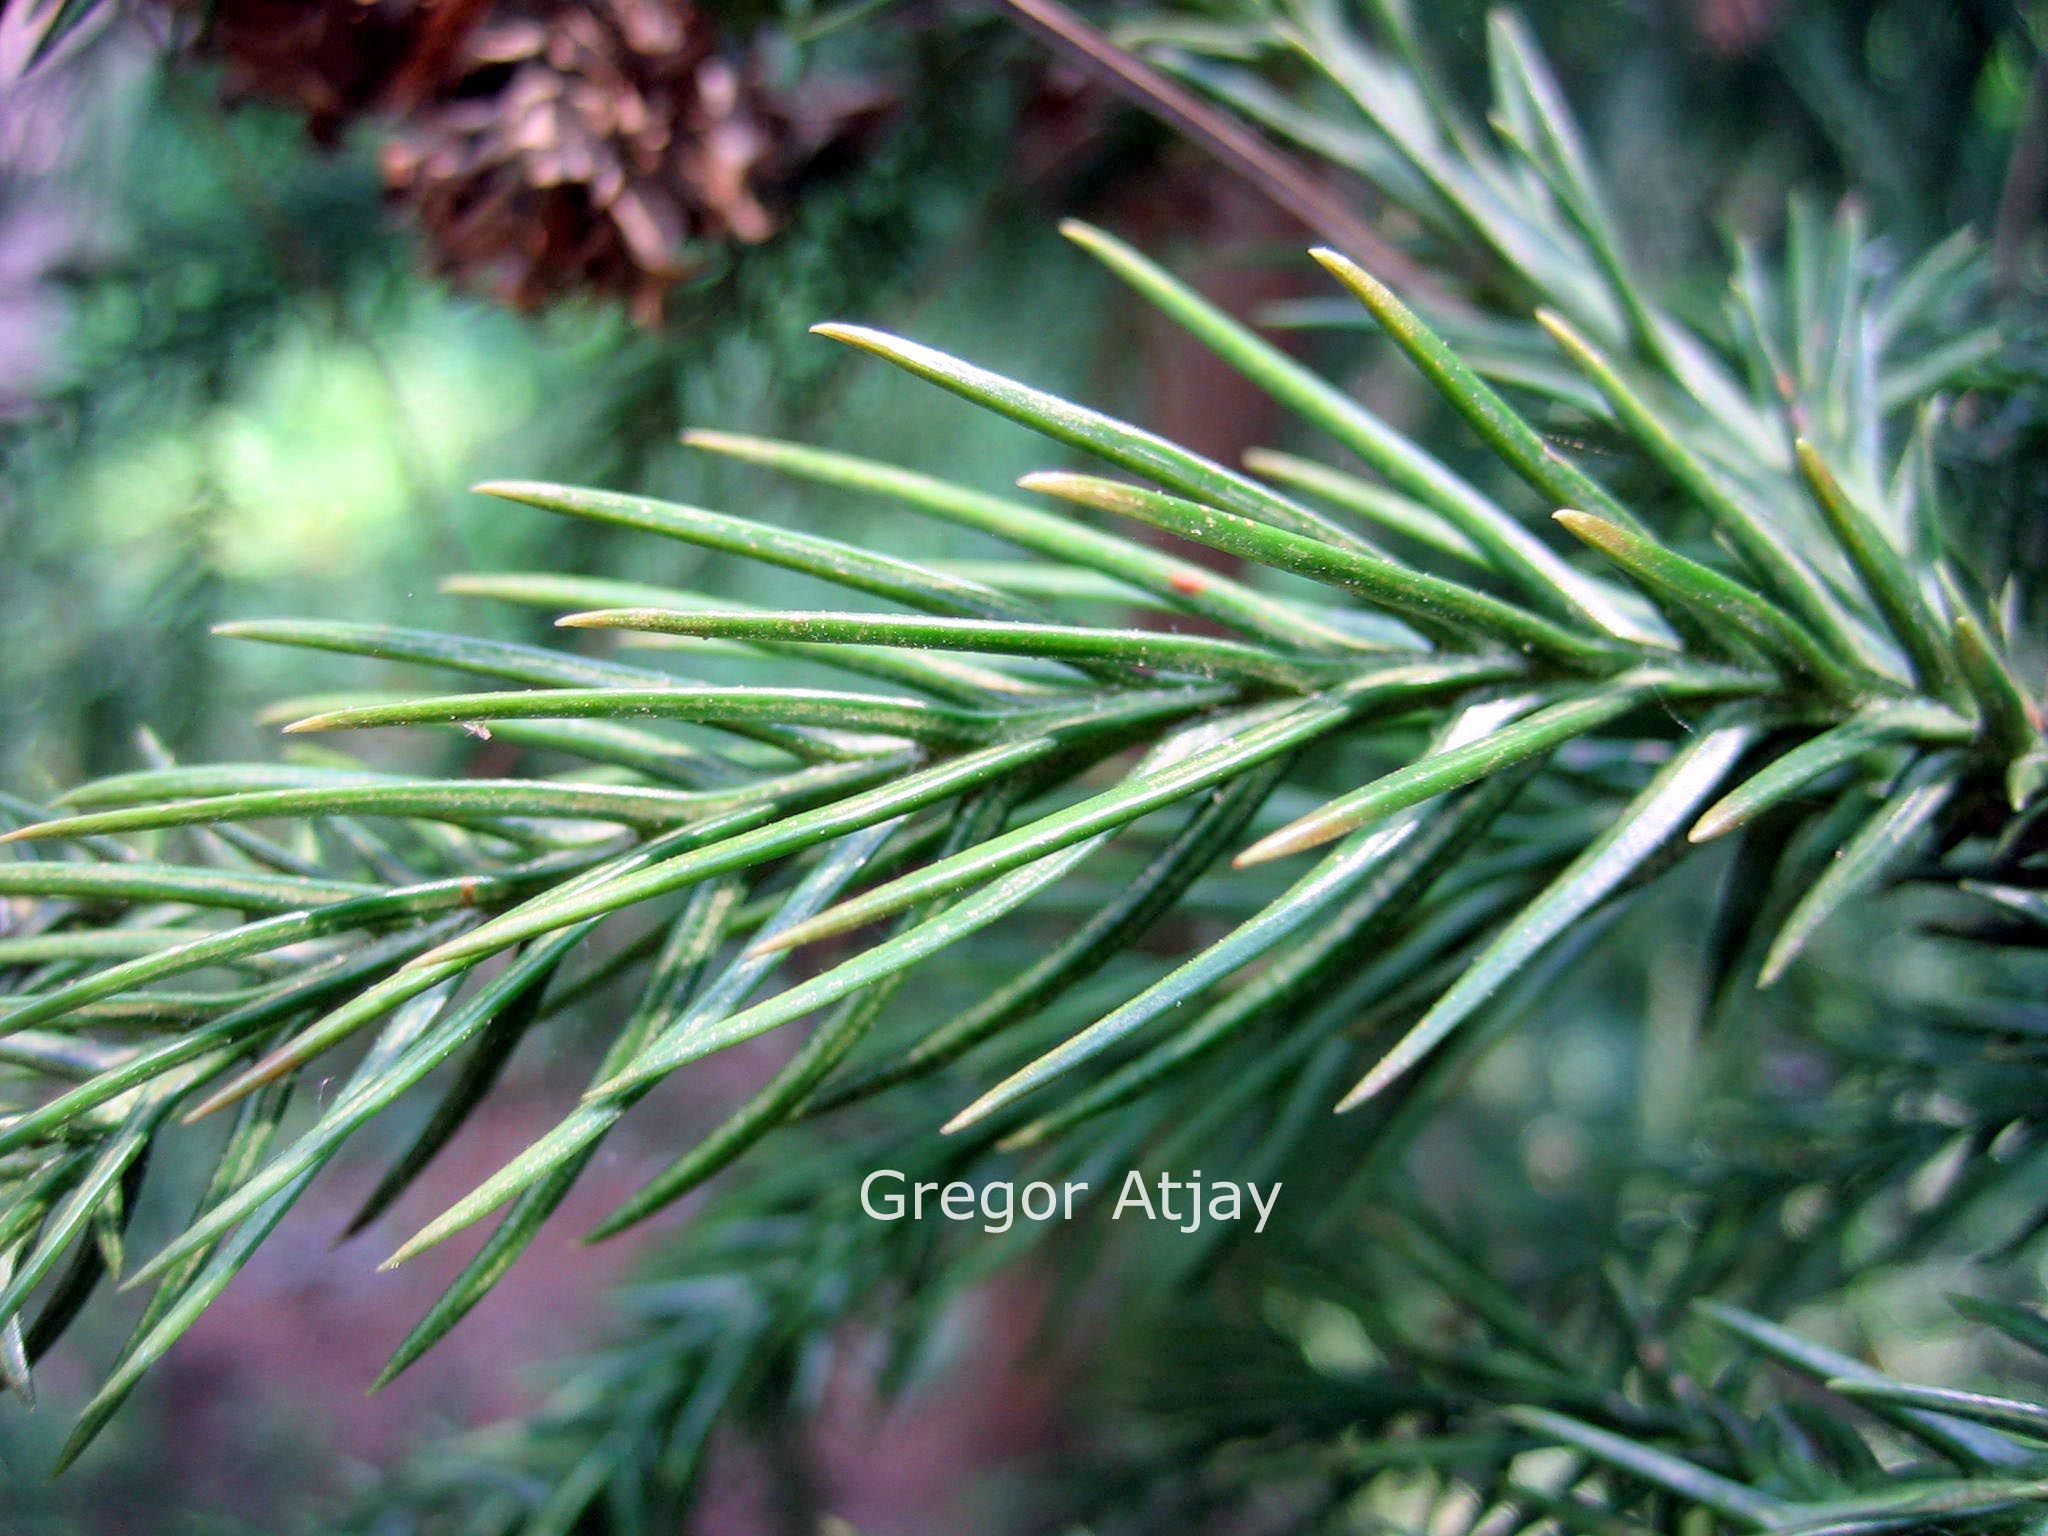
[330, 59]
[546, 146]
[596, 146]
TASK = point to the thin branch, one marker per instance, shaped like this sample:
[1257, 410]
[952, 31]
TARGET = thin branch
[1272, 173]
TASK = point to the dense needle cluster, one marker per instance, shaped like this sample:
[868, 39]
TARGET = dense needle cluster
[1471, 720]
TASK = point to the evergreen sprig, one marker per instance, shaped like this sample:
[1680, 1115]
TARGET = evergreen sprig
[1493, 712]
